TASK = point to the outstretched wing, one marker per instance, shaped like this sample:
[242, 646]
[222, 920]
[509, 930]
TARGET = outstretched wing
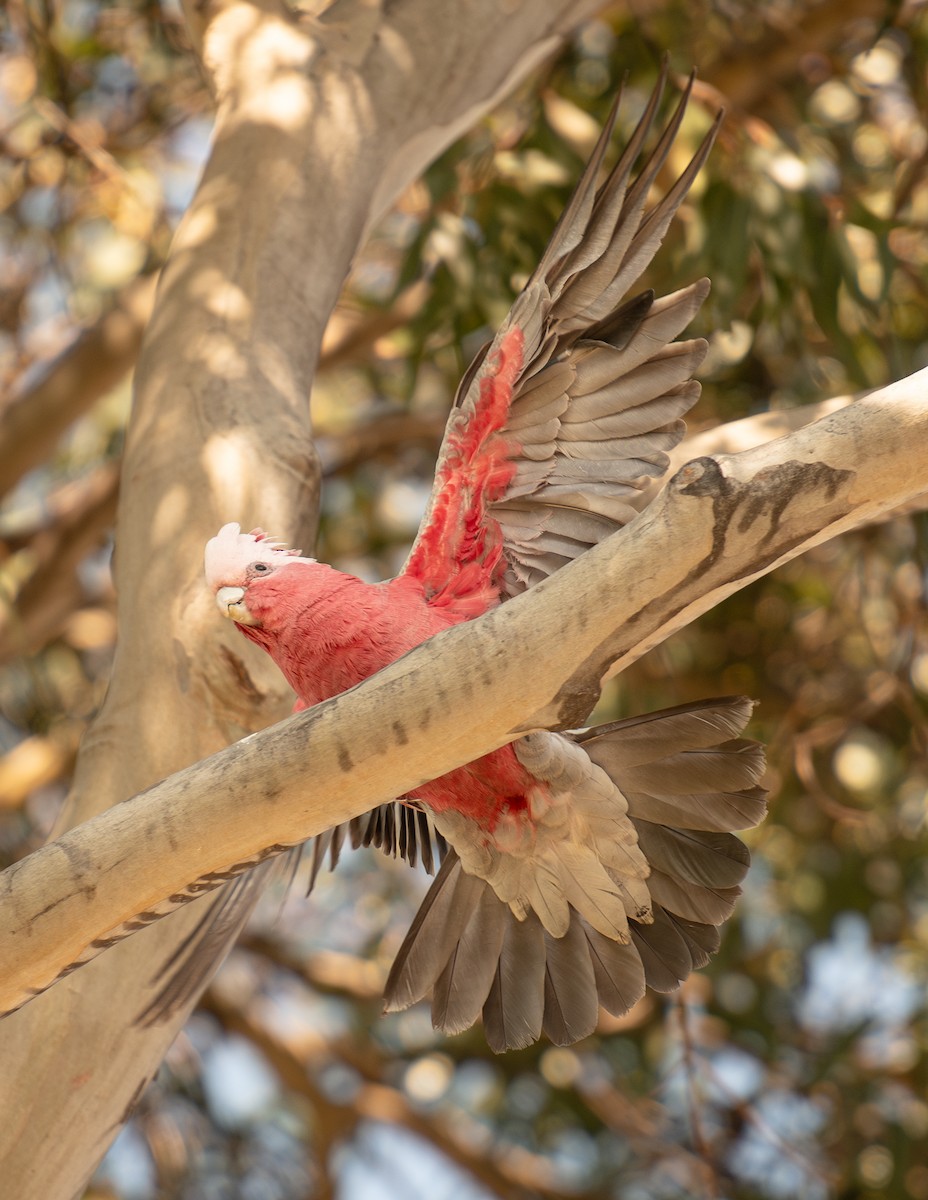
[563, 419]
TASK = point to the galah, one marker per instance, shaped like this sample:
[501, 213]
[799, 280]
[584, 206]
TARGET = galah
[577, 867]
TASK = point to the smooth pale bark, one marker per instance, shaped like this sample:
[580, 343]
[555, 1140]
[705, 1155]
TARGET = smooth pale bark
[535, 662]
[749, 432]
[764, 427]
[319, 124]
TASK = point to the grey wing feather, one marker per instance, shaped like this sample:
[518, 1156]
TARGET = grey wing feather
[400, 829]
[200, 955]
[435, 931]
[618, 970]
[742, 809]
[671, 773]
[704, 770]
[703, 858]
[644, 738]
[702, 941]
[709, 906]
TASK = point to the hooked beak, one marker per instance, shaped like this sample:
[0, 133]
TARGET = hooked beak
[231, 602]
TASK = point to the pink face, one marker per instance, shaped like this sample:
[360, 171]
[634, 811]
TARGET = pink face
[234, 560]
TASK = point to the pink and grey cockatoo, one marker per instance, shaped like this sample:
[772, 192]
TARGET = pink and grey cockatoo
[577, 867]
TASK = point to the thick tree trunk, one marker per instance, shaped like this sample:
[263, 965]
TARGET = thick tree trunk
[320, 123]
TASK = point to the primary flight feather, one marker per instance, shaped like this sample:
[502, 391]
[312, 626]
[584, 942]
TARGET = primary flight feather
[577, 868]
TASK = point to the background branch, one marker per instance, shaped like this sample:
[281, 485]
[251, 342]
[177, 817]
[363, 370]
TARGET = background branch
[32, 422]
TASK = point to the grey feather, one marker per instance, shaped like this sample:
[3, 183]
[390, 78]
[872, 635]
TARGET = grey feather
[608, 461]
[617, 969]
[694, 856]
[652, 230]
[664, 952]
[734, 764]
[514, 1008]
[201, 953]
[632, 422]
[462, 987]
[710, 906]
[400, 829]
[666, 317]
[719, 811]
[545, 398]
[614, 215]
[591, 296]
[668, 368]
[620, 327]
[571, 1008]
[622, 744]
[434, 933]
[702, 941]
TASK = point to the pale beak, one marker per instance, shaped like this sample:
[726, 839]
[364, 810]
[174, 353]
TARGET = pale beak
[231, 602]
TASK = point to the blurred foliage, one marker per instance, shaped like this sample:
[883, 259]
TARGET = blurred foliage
[797, 1063]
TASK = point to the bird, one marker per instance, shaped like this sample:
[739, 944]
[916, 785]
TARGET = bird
[576, 867]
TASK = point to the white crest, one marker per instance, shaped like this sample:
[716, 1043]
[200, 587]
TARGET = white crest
[231, 551]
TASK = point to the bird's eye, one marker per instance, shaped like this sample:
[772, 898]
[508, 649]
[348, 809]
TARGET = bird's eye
[260, 568]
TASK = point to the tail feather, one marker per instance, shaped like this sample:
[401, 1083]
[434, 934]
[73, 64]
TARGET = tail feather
[708, 905]
[665, 952]
[510, 959]
[704, 859]
[571, 1008]
[618, 970]
[702, 941]
[436, 930]
[643, 739]
[464, 984]
[515, 1006]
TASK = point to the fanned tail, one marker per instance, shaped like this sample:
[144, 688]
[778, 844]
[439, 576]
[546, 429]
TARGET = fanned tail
[689, 780]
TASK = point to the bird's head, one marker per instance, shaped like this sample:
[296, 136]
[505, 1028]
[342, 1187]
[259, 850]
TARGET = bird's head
[237, 561]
